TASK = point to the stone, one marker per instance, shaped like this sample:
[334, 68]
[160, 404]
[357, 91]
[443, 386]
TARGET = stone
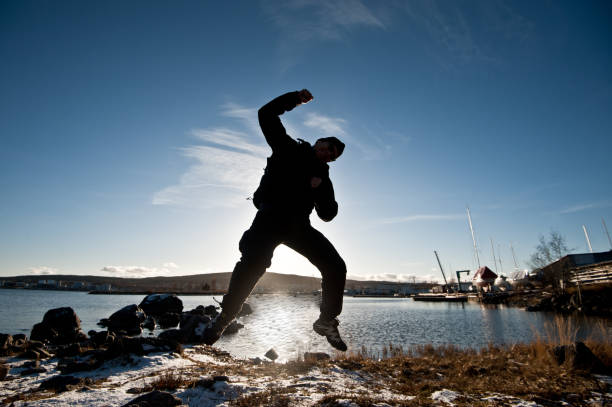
[127, 320]
[89, 362]
[33, 370]
[59, 326]
[74, 349]
[61, 383]
[149, 323]
[271, 354]
[30, 354]
[192, 327]
[103, 338]
[4, 370]
[168, 320]
[158, 304]
[155, 399]
[233, 328]
[211, 311]
[6, 341]
[175, 335]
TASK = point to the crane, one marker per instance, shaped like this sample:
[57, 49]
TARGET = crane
[441, 269]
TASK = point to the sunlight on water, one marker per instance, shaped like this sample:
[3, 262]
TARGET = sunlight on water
[284, 322]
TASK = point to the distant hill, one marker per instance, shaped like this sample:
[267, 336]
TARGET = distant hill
[199, 283]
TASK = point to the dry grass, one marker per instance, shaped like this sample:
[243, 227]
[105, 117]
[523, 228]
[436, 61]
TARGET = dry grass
[526, 371]
[274, 397]
[171, 380]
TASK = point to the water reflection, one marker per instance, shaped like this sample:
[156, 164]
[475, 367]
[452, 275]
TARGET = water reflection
[284, 322]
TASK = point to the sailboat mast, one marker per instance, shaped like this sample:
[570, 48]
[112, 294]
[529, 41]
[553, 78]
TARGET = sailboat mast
[586, 234]
[473, 237]
[514, 257]
[607, 234]
[493, 252]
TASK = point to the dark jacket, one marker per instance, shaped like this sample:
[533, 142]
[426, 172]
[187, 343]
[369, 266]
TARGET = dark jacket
[285, 186]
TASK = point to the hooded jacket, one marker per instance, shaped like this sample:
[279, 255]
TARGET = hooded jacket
[285, 186]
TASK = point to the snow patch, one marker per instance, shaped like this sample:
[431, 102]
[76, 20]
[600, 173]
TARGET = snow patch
[445, 395]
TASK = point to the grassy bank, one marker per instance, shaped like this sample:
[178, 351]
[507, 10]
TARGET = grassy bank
[520, 374]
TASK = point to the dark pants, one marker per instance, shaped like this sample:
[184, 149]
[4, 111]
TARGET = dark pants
[269, 229]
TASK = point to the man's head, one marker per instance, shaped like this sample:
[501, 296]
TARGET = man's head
[328, 149]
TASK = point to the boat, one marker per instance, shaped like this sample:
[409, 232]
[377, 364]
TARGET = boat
[441, 297]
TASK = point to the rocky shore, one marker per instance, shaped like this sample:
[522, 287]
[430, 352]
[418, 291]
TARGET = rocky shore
[61, 365]
[587, 302]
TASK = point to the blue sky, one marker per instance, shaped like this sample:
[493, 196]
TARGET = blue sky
[129, 139]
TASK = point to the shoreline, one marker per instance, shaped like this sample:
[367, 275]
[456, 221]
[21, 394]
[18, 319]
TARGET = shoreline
[201, 375]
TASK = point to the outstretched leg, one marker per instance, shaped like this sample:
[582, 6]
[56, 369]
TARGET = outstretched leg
[257, 246]
[319, 251]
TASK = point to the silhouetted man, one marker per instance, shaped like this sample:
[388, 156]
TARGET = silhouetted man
[295, 181]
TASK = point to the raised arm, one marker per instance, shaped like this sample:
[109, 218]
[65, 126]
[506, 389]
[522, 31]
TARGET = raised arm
[270, 122]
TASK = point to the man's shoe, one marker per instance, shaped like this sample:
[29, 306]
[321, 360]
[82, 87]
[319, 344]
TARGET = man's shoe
[329, 329]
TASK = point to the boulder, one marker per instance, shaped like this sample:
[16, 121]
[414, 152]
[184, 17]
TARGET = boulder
[62, 383]
[192, 327]
[158, 304]
[128, 320]
[103, 338]
[91, 361]
[4, 369]
[6, 341]
[149, 323]
[210, 310]
[168, 320]
[233, 328]
[33, 370]
[155, 398]
[59, 326]
[74, 349]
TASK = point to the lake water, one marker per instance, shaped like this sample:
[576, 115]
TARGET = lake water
[284, 322]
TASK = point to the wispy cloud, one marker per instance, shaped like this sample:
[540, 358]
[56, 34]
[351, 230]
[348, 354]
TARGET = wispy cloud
[141, 271]
[585, 207]
[43, 270]
[304, 23]
[419, 218]
[247, 115]
[319, 19]
[462, 33]
[228, 165]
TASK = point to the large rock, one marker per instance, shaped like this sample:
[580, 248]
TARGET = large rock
[155, 399]
[128, 320]
[6, 341]
[159, 304]
[4, 369]
[59, 326]
[192, 327]
[64, 383]
[168, 320]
